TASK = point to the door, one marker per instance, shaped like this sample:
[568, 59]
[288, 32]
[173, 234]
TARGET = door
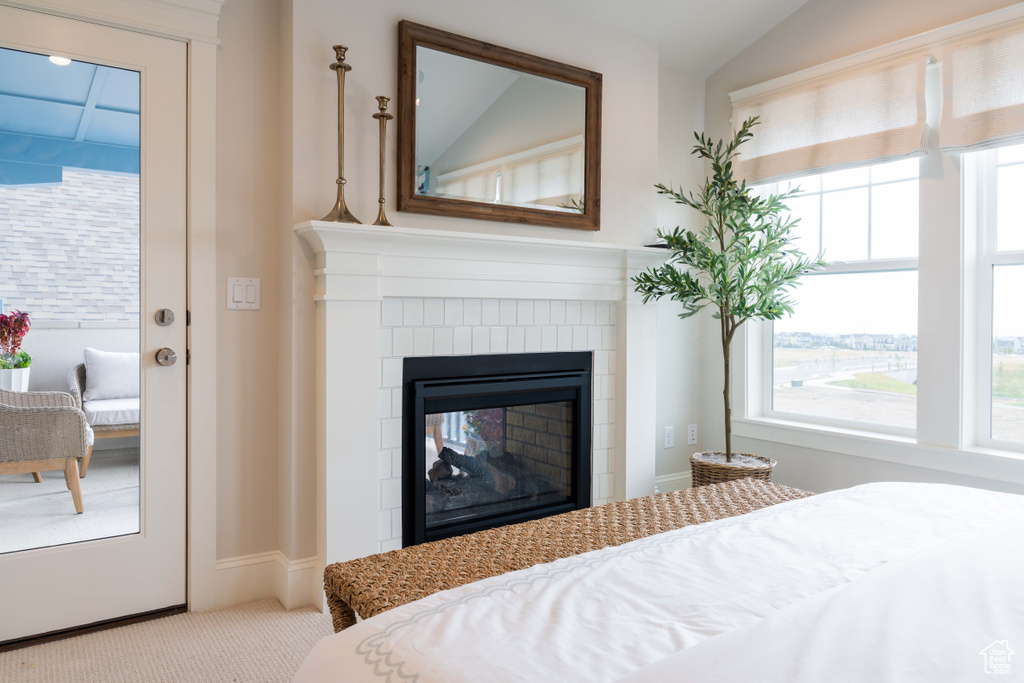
[92, 248]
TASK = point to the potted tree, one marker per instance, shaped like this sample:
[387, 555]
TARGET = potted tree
[14, 363]
[742, 263]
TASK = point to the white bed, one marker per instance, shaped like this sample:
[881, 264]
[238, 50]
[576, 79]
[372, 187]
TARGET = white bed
[882, 582]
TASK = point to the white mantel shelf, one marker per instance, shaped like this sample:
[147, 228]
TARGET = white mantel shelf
[358, 267]
[441, 263]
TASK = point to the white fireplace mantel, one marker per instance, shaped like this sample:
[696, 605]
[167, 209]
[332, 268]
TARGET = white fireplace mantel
[358, 266]
[356, 261]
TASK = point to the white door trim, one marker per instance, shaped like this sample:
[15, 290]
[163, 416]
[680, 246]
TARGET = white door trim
[190, 20]
[195, 22]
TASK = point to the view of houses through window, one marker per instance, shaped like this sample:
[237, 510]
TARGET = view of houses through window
[849, 352]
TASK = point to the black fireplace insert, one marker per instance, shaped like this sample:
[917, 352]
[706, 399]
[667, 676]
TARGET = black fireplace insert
[491, 440]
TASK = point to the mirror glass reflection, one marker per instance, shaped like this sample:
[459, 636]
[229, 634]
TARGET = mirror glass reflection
[486, 133]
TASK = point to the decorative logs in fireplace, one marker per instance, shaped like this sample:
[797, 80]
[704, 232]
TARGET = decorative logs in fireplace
[492, 440]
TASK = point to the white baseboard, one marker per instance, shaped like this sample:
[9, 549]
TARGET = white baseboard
[266, 575]
[296, 581]
[673, 482]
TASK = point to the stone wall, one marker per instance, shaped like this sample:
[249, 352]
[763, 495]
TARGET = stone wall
[70, 252]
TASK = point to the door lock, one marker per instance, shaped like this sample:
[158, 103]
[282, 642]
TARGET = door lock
[166, 357]
[164, 317]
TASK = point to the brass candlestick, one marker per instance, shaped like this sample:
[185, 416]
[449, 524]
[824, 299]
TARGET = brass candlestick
[382, 117]
[340, 212]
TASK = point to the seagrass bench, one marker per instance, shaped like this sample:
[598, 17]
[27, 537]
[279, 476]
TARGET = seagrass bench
[370, 585]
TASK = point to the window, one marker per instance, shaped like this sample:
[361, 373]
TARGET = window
[848, 355]
[549, 176]
[1000, 175]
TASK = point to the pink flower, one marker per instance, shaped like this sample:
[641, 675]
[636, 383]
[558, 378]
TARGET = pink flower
[13, 328]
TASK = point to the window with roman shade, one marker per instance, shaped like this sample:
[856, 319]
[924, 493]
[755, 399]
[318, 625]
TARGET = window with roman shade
[550, 175]
[860, 116]
[544, 179]
[479, 185]
[983, 91]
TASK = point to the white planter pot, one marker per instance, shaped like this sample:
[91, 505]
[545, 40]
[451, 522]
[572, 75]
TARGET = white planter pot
[14, 380]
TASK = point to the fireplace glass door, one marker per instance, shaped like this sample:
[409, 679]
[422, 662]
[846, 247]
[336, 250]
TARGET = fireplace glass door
[493, 440]
[487, 461]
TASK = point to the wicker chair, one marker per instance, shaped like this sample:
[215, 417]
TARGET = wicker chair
[42, 431]
[76, 383]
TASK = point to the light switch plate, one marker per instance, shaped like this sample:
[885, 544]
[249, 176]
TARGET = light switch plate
[243, 294]
[691, 435]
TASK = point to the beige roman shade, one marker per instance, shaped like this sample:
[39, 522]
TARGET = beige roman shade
[850, 118]
[983, 91]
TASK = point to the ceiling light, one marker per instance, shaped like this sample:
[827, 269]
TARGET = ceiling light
[59, 61]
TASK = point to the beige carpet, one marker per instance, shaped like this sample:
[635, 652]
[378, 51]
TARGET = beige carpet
[256, 642]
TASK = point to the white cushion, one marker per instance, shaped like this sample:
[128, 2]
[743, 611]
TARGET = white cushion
[110, 375]
[90, 436]
[112, 411]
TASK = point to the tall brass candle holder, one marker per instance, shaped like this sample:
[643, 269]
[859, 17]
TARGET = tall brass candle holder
[382, 117]
[340, 212]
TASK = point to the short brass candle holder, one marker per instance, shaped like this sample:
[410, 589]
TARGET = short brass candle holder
[382, 117]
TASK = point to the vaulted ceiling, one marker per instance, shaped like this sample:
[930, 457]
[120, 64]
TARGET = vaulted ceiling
[77, 115]
[696, 36]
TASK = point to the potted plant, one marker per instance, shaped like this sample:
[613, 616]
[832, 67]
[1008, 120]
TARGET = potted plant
[742, 263]
[14, 363]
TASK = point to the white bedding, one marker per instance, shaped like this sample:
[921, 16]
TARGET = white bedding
[763, 581]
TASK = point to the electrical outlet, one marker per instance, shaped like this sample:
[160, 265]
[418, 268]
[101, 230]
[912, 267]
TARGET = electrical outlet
[691, 435]
[670, 437]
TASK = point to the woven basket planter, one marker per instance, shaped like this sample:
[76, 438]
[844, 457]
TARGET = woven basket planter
[705, 473]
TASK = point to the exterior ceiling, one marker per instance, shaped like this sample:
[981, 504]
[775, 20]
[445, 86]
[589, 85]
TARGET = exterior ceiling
[81, 115]
[695, 36]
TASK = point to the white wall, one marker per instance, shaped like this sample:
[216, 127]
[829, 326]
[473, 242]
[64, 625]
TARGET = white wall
[680, 113]
[820, 31]
[247, 225]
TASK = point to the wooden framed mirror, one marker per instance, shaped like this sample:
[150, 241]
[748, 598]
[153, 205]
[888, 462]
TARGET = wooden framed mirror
[494, 134]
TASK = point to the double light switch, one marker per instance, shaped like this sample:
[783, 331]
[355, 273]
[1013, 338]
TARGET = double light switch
[243, 293]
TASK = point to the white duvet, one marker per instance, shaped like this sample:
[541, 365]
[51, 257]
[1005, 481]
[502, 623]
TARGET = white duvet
[882, 582]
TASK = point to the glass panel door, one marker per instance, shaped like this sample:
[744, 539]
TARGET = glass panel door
[92, 273]
[69, 283]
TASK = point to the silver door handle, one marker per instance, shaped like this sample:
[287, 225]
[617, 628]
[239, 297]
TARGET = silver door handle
[166, 357]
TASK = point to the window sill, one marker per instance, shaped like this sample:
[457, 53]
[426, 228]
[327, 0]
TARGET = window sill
[984, 463]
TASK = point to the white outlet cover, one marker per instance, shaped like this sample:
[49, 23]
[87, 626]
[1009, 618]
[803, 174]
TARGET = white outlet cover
[670, 437]
[243, 294]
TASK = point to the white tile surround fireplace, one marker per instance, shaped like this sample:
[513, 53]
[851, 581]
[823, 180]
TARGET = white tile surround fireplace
[385, 293]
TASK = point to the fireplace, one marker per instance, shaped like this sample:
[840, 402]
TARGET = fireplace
[492, 440]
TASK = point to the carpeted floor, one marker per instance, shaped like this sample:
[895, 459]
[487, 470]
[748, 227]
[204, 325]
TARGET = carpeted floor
[257, 642]
[39, 515]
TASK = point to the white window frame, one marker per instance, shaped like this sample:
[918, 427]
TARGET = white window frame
[953, 319]
[767, 340]
[980, 184]
[943, 346]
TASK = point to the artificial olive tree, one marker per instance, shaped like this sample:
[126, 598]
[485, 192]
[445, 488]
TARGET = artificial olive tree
[742, 262]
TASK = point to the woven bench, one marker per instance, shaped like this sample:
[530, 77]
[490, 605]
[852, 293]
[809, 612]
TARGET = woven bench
[370, 585]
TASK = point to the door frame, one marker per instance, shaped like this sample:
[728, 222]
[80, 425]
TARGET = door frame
[193, 22]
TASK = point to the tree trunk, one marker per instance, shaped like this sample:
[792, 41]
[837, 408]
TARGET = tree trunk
[728, 411]
[726, 338]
